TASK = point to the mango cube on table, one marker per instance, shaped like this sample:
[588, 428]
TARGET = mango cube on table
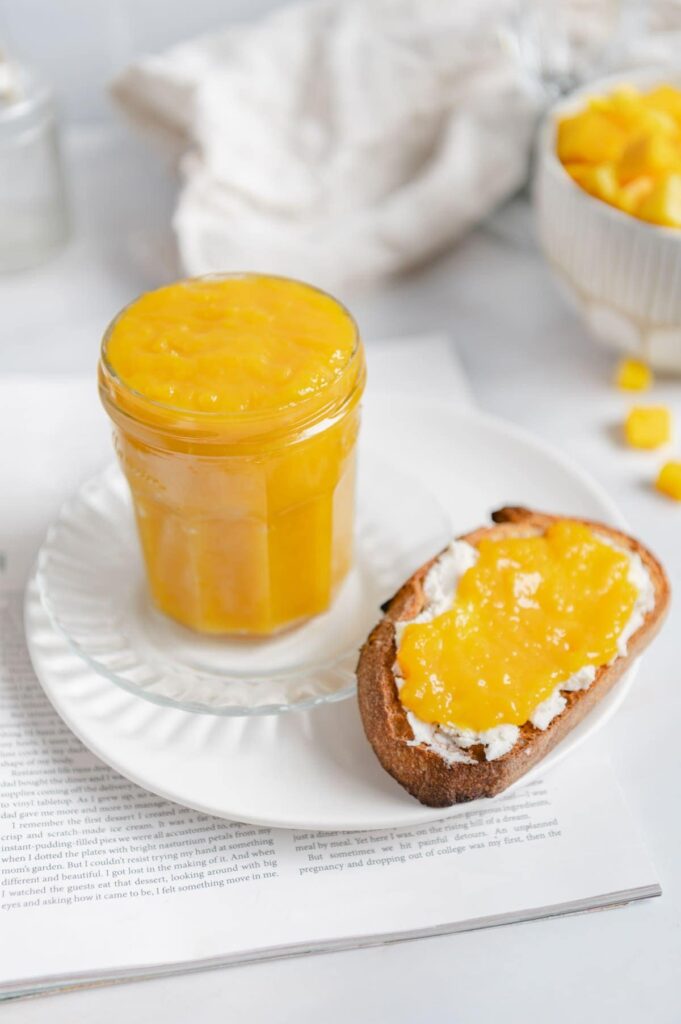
[633, 375]
[648, 155]
[669, 480]
[648, 426]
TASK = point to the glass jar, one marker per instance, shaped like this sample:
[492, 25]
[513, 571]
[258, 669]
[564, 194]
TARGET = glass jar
[33, 207]
[245, 519]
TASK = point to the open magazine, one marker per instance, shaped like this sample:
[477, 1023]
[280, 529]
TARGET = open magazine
[100, 880]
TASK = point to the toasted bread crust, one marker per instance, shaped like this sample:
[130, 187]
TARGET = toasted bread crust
[418, 768]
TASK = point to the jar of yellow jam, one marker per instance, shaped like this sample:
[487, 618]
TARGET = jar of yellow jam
[235, 401]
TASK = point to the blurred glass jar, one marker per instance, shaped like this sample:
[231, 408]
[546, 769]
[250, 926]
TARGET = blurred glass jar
[34, 219]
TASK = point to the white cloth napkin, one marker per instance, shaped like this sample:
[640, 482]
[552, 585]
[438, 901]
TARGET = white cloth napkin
[337, 141]
[344, 140]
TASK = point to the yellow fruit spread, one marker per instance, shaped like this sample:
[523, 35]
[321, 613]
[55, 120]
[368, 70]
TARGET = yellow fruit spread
[240, 344]
[530, 613]
[235, 402]
[625, 148]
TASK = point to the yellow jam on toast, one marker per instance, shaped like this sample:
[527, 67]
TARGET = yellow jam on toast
[530, 613]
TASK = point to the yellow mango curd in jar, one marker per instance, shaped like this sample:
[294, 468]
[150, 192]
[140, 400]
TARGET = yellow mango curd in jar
[235, 403]
[625, 148]
[526, 616]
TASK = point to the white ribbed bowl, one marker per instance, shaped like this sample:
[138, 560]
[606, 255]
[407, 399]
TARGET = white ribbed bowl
[623, 274]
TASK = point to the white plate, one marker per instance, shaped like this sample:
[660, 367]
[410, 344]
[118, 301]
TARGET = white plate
[314, 769]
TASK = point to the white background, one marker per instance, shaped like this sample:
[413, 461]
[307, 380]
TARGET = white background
[79, 45]
[529, 361]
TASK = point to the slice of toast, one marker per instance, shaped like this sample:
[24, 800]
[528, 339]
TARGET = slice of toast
[419, 768]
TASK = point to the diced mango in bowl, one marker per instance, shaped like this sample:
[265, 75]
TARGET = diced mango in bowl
[590, 137]
[663, 204]
[625, 149]
[597, 179]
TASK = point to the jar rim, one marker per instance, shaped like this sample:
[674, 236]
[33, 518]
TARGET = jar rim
[210, 417]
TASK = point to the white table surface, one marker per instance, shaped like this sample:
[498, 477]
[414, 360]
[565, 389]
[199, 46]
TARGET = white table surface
[529, 361]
